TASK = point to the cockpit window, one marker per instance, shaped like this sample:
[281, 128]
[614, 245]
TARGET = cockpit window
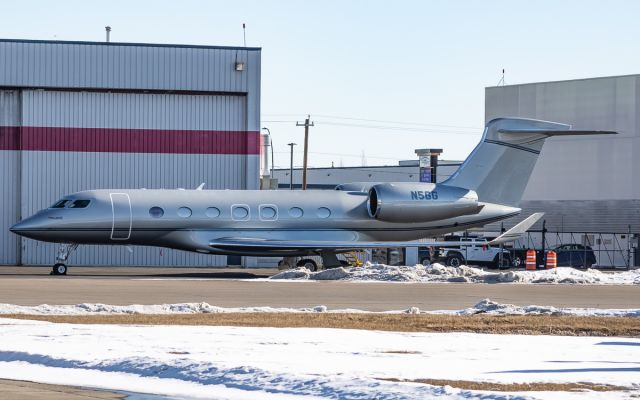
[60, 204]
[80, 204]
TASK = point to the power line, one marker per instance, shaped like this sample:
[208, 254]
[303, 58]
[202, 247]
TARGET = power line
[382, 127]
[342, 155]
[398, 128]
[398, 122]
[380, 120]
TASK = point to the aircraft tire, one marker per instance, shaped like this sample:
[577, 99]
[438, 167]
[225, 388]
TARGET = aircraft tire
[59, 269]
[506, 262]
[308, 264]
[517, 261]
[455, 260]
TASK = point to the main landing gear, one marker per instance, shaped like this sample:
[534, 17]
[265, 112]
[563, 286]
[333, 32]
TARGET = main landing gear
[64, 251]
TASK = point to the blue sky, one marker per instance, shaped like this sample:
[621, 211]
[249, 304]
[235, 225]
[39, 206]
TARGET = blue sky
[378, 77]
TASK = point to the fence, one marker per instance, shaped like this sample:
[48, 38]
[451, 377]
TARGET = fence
[611, 250]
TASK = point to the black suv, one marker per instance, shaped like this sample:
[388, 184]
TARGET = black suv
[575, 255]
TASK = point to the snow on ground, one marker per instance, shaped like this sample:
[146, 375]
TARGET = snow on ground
[485, 306]
[241, 362]
[179, 308]
[442, 273]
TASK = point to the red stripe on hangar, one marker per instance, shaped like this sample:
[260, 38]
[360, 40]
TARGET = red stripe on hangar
[9, 138]
[122, 140]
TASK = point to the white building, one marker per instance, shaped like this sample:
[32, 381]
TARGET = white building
[86, 115]
[328, 178]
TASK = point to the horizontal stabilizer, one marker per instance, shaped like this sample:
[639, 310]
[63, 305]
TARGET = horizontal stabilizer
[557, 132]
[500, 166]
[518, 230]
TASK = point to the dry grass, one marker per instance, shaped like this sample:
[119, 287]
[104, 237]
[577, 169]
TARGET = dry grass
[515, 387]
[519, 324]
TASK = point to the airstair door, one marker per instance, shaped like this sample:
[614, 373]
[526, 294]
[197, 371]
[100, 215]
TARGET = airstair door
[121, 211]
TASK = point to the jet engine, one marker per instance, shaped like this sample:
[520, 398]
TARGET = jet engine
[420, 202]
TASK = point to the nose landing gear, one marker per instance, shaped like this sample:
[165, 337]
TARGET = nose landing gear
[64, 251]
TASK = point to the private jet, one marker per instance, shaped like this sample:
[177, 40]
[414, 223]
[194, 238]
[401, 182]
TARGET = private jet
[486, 188]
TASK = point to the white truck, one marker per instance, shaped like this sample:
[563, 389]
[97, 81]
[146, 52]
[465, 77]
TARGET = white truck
[477, 251]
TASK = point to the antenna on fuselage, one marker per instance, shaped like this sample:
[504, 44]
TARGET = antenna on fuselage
[201, 186]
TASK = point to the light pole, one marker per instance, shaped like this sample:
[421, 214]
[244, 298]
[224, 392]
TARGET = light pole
[291, 167]
[270, 144]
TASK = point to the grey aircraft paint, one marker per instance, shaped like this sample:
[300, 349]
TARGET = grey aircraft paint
[487, 188]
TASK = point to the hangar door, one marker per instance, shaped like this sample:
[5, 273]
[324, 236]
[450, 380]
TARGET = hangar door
[9, 175]
[76, 141]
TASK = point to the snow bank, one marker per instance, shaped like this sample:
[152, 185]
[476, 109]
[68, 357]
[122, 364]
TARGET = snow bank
[107, 309]
[485, 306]
[302, 363]
[442, 273]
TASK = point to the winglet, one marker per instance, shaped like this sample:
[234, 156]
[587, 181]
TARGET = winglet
[518, 230]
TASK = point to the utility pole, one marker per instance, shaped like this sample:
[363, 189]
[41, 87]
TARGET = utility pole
[306, 125]
[291, 167]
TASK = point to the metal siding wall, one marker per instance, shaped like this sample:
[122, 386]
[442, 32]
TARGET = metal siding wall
[9, 171]
[613, 216]
[49, 175]
[119, 66]
[134, 111]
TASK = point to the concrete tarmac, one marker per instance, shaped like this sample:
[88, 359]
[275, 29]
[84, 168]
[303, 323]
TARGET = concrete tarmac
[239, 288]
[23, 390]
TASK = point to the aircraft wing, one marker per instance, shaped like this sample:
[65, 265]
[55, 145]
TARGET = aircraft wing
[247, 244]
[236, 243]
[518, 230]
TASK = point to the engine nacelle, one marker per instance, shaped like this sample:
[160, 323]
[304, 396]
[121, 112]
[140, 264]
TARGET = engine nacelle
[420, 202]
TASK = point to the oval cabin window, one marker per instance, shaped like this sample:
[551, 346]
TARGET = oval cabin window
[212, 212]
[296, 212]
[323, 212]
[268, 212]
[240, 212]
[184, 212]
[156, 212]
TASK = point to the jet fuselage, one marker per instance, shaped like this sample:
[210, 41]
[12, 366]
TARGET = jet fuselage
[191, 219]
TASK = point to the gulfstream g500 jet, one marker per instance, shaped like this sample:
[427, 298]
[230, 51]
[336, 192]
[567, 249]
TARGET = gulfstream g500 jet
[486, 188]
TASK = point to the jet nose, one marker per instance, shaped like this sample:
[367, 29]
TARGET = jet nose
[19, 227]
[22, 227]
[27, 227]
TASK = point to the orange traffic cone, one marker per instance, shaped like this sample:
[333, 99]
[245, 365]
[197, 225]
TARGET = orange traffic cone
[552, 260]
[530, 263]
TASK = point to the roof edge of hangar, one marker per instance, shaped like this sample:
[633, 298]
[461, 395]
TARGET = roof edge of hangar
[131, 44]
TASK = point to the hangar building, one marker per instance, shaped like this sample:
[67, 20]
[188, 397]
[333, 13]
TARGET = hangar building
[91, 115]
[587, 183]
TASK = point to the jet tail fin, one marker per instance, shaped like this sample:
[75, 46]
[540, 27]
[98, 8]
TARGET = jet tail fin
[518, 230]
[499, 167]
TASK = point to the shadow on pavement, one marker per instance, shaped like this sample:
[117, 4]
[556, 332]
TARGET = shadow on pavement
[139, 272]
